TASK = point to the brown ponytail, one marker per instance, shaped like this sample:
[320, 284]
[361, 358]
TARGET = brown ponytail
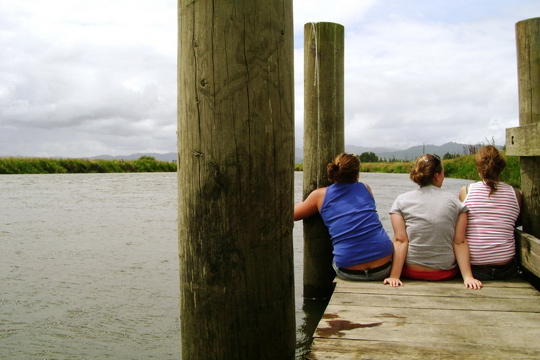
[490, 164]
[344, 168]
[425, 168]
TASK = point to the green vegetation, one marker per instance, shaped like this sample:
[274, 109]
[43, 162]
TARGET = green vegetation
[398, 167]
[369, 157]
[463, 167]
[20, 165]
[460, 167]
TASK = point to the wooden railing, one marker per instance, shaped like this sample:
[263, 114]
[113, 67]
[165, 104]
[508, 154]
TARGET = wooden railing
[529, 252]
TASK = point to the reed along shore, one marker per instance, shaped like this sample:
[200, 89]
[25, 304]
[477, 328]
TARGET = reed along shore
[461, 167]
[26, 165]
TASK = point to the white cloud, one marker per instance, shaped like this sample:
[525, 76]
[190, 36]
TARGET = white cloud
[81, 78]
[95, 70]
[344, 12]
[410, 80]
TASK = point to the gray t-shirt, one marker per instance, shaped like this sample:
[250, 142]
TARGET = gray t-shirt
[430, 215]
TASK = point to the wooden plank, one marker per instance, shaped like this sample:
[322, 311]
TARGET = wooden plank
[438, 302]
[366, 320]
[529, 247]
[401, 316]
[513, 289]
[339, 349]
[523, 140]
[427, 328]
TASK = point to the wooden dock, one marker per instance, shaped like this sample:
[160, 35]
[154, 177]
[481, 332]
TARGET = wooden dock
[430, 320]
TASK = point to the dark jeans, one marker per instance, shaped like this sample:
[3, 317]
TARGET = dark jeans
[495, 272]
[378, 273]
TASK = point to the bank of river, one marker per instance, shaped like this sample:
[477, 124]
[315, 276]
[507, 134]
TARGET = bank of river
[89, 264]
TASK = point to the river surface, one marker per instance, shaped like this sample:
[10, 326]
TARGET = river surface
[89, 264]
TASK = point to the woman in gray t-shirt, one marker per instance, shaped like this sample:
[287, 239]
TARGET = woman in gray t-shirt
[429, 230]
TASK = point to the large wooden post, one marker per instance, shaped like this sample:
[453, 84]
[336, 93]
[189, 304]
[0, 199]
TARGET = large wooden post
[235, 179]
[524, 141]
[323, 141]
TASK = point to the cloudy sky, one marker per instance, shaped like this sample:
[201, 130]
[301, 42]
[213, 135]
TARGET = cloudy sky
[86, 78]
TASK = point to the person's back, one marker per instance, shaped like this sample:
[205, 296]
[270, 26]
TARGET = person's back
[349, 212]
[491, 222]
[494, 209]
[430, 214]
[429, 230]
[362, 249]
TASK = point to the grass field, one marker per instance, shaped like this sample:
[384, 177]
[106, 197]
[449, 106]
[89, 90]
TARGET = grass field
[20, 165]
[462, 167]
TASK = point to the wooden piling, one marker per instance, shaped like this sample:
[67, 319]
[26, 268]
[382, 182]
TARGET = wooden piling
[528, 52]
[524, 141]
[235, 179]
[323, 141]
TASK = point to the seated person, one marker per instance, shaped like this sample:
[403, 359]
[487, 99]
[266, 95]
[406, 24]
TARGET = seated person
[429, 230]
[362, 249]
[494, 208]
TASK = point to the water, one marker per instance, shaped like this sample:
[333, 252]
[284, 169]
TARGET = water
[89, 264]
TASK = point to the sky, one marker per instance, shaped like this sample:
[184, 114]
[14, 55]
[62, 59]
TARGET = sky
[88, 78]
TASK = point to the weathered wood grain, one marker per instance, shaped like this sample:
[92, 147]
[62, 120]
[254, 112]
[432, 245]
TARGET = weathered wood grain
[427, 320]
[324, 139]
[454, 288]
[523, 140]
[236, 179]
[528, 61]
[529, 252]
[382, 350]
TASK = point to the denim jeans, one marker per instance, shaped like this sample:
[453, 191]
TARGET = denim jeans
[379, 273]
[495, 272]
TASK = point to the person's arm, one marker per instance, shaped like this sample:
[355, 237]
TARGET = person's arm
[369, 189]
[462, 193]
[401, 244]
[310, 206]
[461, 249]
[519, 198]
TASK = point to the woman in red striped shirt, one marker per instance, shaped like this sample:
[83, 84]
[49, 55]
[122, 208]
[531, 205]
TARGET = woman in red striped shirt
[494, 209]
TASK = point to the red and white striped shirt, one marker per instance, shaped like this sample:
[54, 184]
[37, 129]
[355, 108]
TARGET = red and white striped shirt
[490, 223]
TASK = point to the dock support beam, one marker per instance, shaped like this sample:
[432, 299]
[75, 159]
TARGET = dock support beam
[528, 52]
[235, 179]
[323, 140]
[524, 141]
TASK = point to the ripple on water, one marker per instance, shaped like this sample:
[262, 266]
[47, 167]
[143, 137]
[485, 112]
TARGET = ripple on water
[89, 264]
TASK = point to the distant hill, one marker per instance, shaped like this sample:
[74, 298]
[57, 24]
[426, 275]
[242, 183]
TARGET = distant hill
[384, 153]
[415, 151]
[408, 154]
[361, 149]
[299, 152]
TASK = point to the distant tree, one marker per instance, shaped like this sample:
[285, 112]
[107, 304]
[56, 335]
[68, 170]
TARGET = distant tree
[471, 149]
[369, 157]
[146, 157]
[448, 156]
